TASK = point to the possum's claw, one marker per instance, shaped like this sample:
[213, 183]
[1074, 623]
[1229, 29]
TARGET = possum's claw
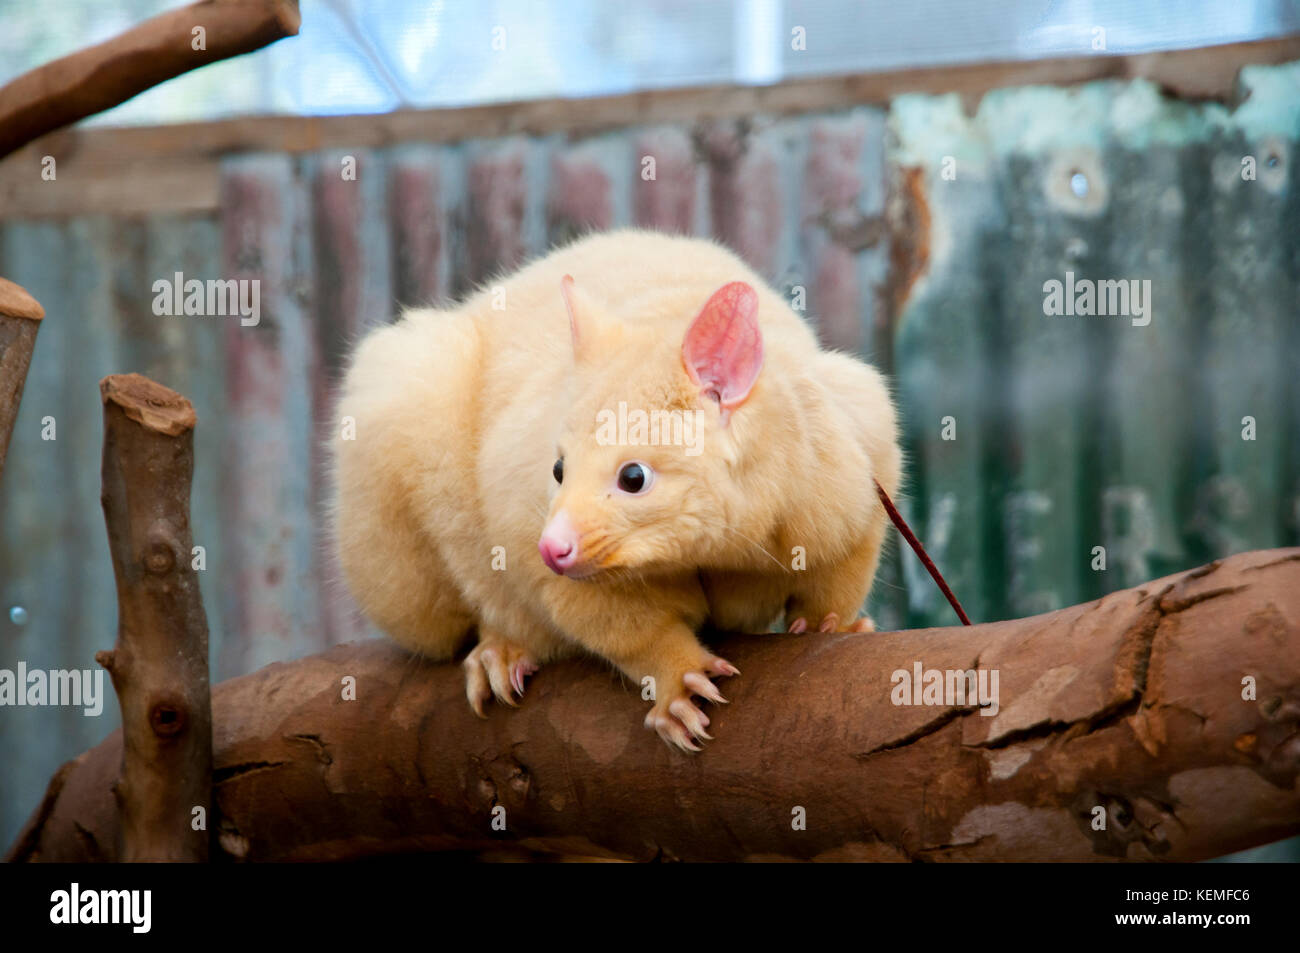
[690, 716]
[496, 667]
[681, 725]
[671, 730]
[700, 685]
[716, 665]
[519, 671]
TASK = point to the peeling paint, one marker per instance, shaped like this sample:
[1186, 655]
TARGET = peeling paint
[1132, 114]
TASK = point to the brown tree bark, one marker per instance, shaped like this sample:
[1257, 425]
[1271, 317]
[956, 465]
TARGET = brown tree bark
[102, 76]
[160, 663]
[1128, 709]
[20, 319]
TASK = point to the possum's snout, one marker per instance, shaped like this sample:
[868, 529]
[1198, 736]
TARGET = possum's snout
[559, 544]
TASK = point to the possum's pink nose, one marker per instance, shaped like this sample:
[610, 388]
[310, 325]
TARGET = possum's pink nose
[559, 543]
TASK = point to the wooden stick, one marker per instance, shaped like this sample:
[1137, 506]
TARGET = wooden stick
[102, 76]
[160, 663]
[20, 319]
[1125, 730]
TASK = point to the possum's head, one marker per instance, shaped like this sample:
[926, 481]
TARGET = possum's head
[643, 471]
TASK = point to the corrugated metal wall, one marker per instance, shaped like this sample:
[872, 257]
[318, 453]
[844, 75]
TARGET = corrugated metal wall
[1074, 432]
[1069, 432]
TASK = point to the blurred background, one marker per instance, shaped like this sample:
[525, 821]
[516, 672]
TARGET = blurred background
[915, 173]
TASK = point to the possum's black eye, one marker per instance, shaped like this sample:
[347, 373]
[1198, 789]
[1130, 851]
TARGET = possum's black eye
[557, 471]
[634, 478]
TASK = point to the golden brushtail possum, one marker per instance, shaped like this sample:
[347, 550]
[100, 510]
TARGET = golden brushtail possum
[624, 440]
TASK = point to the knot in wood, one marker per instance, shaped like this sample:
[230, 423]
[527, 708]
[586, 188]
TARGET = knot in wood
[160, 558]
[167, 719]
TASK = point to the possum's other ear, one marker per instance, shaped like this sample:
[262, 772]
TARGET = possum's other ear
[723, 348]
[584, 318]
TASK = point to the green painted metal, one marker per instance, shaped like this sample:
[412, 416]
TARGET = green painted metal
[1124, 432]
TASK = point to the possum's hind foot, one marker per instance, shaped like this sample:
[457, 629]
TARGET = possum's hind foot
[831, 623]
[497, 667]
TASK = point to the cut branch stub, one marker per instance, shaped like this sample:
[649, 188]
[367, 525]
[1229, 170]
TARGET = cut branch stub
[159, 666]
[20, 319]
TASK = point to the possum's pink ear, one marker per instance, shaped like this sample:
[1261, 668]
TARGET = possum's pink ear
[723, 348]
[583, 325]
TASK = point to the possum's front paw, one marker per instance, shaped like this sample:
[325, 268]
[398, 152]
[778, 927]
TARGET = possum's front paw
[676, 717]
[496, 667]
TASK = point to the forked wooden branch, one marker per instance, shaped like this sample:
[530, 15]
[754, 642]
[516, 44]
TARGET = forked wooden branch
[20, 319]
[1158, 723]
[102, 76]
[160, 663]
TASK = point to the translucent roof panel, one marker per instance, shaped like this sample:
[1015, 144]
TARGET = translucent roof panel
[359, 56]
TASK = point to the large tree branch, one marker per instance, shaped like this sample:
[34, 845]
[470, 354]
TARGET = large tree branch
[102, 76]
[1129, 709]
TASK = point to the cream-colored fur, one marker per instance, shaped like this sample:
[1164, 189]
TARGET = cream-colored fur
[460, 415]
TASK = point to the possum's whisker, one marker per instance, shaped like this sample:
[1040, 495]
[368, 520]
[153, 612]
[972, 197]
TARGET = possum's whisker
[754, 542]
